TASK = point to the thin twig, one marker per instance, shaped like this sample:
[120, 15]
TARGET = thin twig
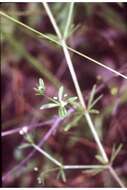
[46, 155]
[69, 19]
[65, 47]
[30, 127]
[30, 155]
[56, 162]
[50, 132]
[66, 167]
[75, 81]
[115, 176]
[58, 43]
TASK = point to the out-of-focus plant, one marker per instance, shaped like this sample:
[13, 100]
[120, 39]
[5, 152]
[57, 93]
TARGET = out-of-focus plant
[61, 102]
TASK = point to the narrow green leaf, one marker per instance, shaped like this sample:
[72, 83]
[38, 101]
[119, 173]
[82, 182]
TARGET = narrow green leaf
[60, 93]
[73, 123]
[100, 159]
[41, 83]
[93, 171]
[95, 101]
[72, 99]
[29, 138]
[94, 111]
[69, 20]
[92, 94]
[53, 100]
[24, 145]
[47, 106]
[40, 87]
[115, 152]
[62, 112]
[63, 176]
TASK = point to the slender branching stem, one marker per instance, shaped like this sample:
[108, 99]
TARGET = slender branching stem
[115, 176]
[30, 127]
[40, 34]
[97, 62]
[46, 155]
[67, 27]
[75, 81]
[62, 43]
[79, 93]
[50, 132]
[66, 167]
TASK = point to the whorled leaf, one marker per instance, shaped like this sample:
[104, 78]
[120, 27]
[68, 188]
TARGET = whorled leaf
[62, 111]
[49, 105]
[115, 152]
[61, 93]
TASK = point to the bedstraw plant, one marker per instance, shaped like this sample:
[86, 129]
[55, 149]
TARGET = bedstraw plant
[66, 104]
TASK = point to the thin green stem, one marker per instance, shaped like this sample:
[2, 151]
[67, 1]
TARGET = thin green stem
[58, 43]
[115, 176]
[27, 27]
[70, 65]
[98, 63]
[75, 81]
[56, 162]
[69, 19]
[66, 167]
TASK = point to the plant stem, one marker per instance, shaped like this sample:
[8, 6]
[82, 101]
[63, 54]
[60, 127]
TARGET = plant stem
[115, 176]
[68, 20]
[58, 43]
[50, 132]
[75, 81]
[84, 166]
[30, 127]
[97, 62]
[47, 155]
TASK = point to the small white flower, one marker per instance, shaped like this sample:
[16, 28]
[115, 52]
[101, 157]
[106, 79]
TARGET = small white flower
[24, 130]
[35, 169]
[55, 98]
[21, 132]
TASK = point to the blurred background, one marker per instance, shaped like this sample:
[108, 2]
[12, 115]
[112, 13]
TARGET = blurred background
[98, 30]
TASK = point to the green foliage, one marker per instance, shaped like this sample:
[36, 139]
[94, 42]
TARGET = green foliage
[61, 174]
[47, 172]
[60, 12]
[93, 171]
[61, 102]
[100, 159]
[92, 102]
[115, 152]
[73, 123]
[40, 87]
[24, 145]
